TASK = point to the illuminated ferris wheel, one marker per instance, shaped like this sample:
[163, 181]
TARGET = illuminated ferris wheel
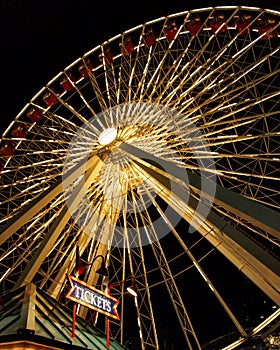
[159, 151]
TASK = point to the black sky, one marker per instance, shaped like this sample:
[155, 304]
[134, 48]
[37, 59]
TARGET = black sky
[40, 38]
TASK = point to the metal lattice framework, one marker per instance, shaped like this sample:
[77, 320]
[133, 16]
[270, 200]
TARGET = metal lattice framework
[185, 199]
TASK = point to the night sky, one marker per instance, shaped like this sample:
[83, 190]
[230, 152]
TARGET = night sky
[40, 38]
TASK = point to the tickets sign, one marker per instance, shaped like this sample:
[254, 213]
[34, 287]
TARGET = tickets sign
[86, 295]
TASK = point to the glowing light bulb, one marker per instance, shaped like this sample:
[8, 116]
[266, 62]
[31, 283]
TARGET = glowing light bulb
[107, 136]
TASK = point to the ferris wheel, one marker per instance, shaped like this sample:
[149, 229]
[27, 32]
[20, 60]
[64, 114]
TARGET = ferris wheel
[159, 152]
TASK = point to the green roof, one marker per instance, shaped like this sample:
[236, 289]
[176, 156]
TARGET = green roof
[30, 314]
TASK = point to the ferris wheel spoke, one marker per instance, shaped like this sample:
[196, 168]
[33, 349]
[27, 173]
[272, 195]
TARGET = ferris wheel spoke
[232, 93]
[31, 236]
[226, 125]
[45, 247]
[228, 242]
[244, 107]
[73, 111]
[41, 200]
[172, 288]
[58, 256]
[142, 80]
[222, 196]
[54, 119]
[224, 66]
[155, 77]
[203, 69]
[98, 94]
[123, 80]
[133, 77]
[173, 72]
[144, 307]
[242, 139]
[202, 273]
[111, 85]
[99, 97]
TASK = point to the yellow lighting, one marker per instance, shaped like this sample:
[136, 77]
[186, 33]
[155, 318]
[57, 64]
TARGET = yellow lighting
[107, 136]
[131, 291]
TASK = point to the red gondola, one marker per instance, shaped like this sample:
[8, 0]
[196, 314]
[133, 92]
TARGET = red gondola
[194, 25]
[50, 99]
[2, 165]
[34, 115]
[65, 82]
[19, 131]
[107, 58]
[243, 24]
[266, 26]
[126, 46]
[149, 38]
[8, 149]
[170, 30]
[85, 68]
[218, 23]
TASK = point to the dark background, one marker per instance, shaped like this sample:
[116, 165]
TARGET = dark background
[39, 38]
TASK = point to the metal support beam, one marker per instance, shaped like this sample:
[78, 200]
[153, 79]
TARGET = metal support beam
[259, 215]
[251, 259]
[65, 214]
[27, 315]
[43, 199]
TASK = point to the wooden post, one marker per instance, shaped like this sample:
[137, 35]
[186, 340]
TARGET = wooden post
[74, 320]
[108, 332]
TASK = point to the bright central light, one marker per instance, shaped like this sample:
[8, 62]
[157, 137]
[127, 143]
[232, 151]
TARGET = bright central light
[107, 136]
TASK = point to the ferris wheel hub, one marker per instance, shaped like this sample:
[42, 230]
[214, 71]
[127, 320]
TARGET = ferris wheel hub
[107, 136]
